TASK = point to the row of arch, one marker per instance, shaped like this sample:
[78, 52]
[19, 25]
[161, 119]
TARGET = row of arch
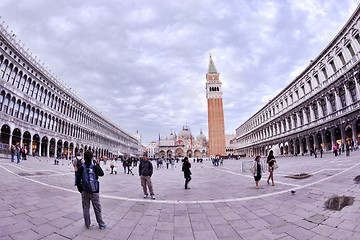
[46, 146]
[55, 105]
[180, 152]
[348, 133]
[328, 103]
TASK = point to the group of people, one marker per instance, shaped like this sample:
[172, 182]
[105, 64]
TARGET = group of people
[258, 168]
[347, 148]
[87, 173]
[19, 152]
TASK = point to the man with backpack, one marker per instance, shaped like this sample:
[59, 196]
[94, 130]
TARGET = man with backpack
[77, 163]
[88, 185]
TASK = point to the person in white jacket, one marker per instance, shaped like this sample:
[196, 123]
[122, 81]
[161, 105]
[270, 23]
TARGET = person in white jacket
[257, 170]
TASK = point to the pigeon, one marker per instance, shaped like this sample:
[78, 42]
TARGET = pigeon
[292, 191]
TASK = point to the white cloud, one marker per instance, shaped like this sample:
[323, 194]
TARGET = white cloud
[143, 63]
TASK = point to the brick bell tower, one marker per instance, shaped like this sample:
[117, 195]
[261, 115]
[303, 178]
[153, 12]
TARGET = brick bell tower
[215, 112]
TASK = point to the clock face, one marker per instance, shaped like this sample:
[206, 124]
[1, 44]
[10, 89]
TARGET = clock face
[212, 78]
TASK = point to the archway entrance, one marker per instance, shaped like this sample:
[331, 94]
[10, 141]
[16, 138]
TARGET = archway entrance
[5, 136]
[36, 145]
[328, 140]
[27, 140]
[348, 134]
[52, 147]
[16, 136]
[59, 149]
[319, 140]
[44, 145]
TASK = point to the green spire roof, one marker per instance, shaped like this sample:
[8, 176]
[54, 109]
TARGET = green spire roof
[212, 68]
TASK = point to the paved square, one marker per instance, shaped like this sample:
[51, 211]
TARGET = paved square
[39, 201]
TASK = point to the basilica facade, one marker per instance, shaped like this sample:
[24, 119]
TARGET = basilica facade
[318, 109]
[183, 144]
[46, 117]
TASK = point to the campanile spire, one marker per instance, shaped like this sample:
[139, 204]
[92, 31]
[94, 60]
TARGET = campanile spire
[215, 111]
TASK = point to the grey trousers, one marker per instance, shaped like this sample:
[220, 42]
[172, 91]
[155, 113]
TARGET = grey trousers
[146, 180]
[95, 200]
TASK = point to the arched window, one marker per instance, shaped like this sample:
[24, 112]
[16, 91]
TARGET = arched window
[40, 93]
[17, 80]
[27, 111]
[44, 121]
[51, 101]
[31, 90]
[52, 124]
[31, 116]
[11, 106]
[8, 72]
[43, 97]
[22, 83]
[47, 98]
[22, 110]
[3, 68]
[6, 103]
[36, 91]
[13, 75]
[36, 115]
[27, 85]
[2, 96]
[40, 118]
[17, 107]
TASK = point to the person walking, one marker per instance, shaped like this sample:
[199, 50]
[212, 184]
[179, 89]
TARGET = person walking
[145, 173]
[128, 164]
[112, 165]
[17, 152]
[89, 187]
[257, 170]
[187, 173]
[12, 149]
[321, 152]
[271, 161]
[77, 163]
[315, 152]
[347, 147]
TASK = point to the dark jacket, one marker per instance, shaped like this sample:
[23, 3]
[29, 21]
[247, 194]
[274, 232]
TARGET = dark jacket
[269, 158]
[97, 169]
[145, 168]
[186, 169]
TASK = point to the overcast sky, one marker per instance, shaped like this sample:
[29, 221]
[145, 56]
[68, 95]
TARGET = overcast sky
[143, 63]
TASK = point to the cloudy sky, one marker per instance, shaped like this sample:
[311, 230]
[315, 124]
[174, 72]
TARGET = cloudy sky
[143, 63]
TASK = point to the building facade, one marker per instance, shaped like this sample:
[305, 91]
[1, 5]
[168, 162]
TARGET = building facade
[46, 117]
[318, 109]
[215, 111]
[183, 144]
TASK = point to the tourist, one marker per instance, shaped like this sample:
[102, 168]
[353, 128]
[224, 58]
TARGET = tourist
[335, 150]
[12, 149]
[172, 162]
[257, 170]
[124, 163]
[145, 172]
[187, 173]
[347, 146]
[112, 165]
[315, 152]
[17, 152]
[128, 164]
[167, 163]
[321, 152]
[271, 161]
[77, 163]
[89, 187]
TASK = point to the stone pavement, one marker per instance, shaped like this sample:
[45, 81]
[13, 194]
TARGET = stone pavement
[38, 200]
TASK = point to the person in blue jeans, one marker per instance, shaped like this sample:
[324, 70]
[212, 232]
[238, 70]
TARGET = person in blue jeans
[17, 152]
[12, 149]
[94, 196]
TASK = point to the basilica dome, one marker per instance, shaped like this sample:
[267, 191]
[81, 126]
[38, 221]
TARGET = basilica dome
[201, 137]
[185, 133]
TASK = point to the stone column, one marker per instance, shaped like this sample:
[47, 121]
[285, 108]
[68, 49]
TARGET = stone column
[292, 122]
[348, 98]
[320, 110]
[39, 148]
[316, 142]
[342, 132]
[328, 105]
[305, 118]
[323, 141]
[312, 114]
[333, 141]
[282, 126]
[337, 101]
[302, 150]
[357, 88]
[298, 122]
[48, 149]
[353, 129]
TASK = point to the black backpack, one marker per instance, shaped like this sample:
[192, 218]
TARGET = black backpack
[89, 181]
[78, 162]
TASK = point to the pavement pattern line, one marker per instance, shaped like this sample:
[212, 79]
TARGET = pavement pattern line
[189, 202]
